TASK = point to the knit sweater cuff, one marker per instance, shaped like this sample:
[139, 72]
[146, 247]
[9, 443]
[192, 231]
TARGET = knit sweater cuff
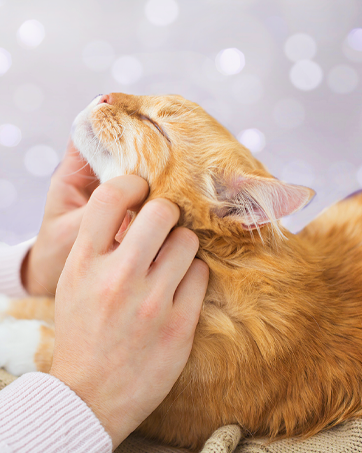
[39, 413]
[11, 259]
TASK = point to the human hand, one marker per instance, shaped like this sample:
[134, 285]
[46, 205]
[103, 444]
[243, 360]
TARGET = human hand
[71, 186]
[125, 320]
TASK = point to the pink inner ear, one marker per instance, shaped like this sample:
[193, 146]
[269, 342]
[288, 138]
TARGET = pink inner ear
[262, 200]
[291, 199]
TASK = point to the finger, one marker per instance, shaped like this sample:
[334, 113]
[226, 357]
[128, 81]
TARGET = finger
[107, 208]
[174, 259]
[76, 171]
[189, 297]
[147, 234]
[123, 228]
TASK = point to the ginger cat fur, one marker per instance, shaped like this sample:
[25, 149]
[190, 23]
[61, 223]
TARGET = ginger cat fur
[278, 348]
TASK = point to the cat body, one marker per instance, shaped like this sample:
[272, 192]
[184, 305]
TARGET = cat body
[278, 347]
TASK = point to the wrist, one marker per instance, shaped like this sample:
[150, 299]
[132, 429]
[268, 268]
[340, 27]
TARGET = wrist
[31, 280]
[113, 412]
[24, 271]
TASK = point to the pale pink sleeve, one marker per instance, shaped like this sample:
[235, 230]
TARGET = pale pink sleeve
[11, 258]
[40, 414]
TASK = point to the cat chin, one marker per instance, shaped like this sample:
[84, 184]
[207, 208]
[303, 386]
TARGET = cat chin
[98, 156]
[107, 173]
[94, 152]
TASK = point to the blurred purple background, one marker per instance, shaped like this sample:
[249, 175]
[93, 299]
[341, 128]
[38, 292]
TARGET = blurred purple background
[283, 75]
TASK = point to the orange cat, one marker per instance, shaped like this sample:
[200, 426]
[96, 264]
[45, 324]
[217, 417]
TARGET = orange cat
[278, 348]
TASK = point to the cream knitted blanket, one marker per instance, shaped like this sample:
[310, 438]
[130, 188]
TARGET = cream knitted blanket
[345, 438]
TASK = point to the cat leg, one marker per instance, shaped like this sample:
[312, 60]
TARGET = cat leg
[41, 308]
[25, 345]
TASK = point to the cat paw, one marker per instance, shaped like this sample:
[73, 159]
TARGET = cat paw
[19, 342]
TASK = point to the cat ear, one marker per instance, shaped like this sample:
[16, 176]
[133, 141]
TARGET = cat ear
[255, 200]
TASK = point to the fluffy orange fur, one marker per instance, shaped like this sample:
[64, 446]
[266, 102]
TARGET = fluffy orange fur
[278, 348]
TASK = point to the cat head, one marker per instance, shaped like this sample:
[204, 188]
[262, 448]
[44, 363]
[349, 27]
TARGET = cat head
[186, 156]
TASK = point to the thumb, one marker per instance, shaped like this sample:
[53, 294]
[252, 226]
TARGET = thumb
[76, 171]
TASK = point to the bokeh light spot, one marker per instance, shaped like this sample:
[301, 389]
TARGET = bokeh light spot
[161, 12]
[98, 55]
[306, 75]
[127, 70]
[230, 61]
[28, 97]
[354, 39]
[253, 139]
[10, 135]
[8, 193]
[300, 47]
[350, 53]
[5, 61]
[41, 160]
[288, 113]
[247, 89]
[31, 33]
[342, 79]
[298, 172]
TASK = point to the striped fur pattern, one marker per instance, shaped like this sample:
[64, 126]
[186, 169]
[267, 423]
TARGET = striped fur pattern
[278, 348]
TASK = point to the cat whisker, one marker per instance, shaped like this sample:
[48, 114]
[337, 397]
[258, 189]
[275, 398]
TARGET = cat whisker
[75, 172]
[180, 107]
[111, 126]
[96, 151]
[89, 160]
[195, 108]
[79, 169]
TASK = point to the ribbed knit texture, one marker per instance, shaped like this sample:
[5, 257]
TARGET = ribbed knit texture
[345, 438]
[224, 440]
[11, 259]
[40, 414]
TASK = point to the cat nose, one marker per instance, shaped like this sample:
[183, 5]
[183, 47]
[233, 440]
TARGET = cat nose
[105, 99]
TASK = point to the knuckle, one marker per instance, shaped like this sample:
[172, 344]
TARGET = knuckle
[187, 238]
[201, 267]
[162, 211]
[178, 328]
[149, 309]
[107, 194]
[131, 262]
[112, 291]
[111, 294]
[82, 254]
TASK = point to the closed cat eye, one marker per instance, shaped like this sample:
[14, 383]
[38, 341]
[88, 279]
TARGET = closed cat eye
[146, 118]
